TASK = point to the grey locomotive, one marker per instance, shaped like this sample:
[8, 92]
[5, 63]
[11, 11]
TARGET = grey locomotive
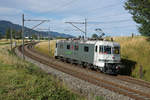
[97, 54]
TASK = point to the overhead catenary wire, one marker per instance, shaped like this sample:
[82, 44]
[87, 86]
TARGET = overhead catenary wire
[64, 5]
[102, 8]
[119, 27]
[109, 15]
[109, 22]
[108, 6]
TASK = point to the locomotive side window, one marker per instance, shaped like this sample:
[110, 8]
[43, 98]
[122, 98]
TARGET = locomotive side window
[96, 49]
[61, 46]
[86, 49]
[101, 49]
[76, 47]
[107, 49]
[68, 46]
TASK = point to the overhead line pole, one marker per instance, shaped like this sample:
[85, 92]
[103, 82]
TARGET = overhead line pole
[42, 21]
[11, 38]
[85, 27]
[76, 27]
[48, 33]
[37, 25]
[49, 41]
[23, 35]
[23, 20]
[85, 31]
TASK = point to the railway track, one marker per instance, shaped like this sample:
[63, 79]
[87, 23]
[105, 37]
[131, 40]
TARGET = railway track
[119, 77]
[133, 80]
[135, 94]
[128, 79]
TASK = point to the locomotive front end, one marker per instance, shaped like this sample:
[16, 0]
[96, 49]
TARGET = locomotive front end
[108, 57]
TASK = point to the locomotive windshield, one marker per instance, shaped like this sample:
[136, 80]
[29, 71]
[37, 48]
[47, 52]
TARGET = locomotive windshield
[109, 50]
[105, 49]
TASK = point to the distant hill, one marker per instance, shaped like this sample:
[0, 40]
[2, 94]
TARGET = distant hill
[4, 25]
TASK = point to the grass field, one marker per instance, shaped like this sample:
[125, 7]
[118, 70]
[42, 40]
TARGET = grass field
[43, 47]
[135, 52]
[7, 41]
[20, 80]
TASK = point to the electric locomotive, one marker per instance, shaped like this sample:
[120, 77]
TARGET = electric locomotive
[95, 54]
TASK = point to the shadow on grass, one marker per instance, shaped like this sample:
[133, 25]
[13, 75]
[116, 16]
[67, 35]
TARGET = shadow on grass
[148, 39]
[128, 66]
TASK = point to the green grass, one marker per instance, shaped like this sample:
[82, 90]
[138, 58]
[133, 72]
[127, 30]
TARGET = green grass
[20, 80]
[30, 83]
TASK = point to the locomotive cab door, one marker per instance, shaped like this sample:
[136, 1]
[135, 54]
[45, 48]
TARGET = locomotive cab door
[96, 56]
[56, 50]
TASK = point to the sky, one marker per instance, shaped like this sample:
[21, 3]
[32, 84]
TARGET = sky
[108, 15]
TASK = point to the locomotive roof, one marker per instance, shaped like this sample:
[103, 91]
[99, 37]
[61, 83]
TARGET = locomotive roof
[95, 42]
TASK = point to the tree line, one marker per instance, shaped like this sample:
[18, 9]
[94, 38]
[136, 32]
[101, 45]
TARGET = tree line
[15, 34]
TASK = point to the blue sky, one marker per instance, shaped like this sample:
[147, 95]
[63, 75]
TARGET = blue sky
[111, 16]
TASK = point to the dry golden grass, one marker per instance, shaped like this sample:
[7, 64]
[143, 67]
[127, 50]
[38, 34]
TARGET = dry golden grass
[7, 41]
[136, 49]
[4, 40]
[7, 58]
[43, 47]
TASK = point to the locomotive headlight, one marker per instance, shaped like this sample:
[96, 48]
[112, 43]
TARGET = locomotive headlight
[118, 67]
[113, 57]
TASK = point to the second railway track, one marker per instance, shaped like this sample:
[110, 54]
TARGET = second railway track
[133, 93]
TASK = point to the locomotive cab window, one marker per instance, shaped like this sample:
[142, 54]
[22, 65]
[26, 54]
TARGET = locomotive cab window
[86, 49]
[68, 46]
[96, 49]
[100, 49]
[107, 50]
[61, 46]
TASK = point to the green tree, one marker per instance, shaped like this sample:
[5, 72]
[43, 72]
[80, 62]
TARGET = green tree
[34, 36]
[14, 33]
[140, 9]
[94, 36]
[8, 33]
[18, 35]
